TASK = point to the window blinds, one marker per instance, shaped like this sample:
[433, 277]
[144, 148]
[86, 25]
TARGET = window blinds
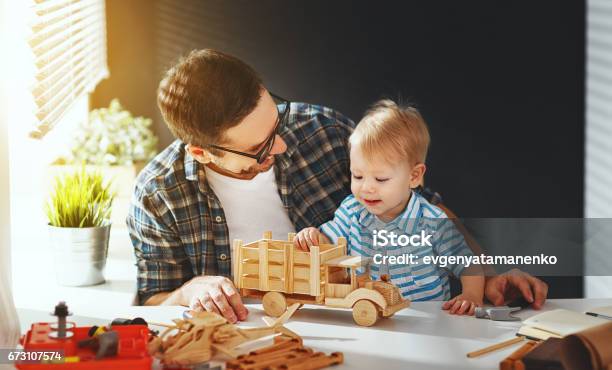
[68, 45]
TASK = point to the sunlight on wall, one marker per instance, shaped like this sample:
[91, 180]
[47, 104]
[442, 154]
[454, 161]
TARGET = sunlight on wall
[30, 157]
[9, 324]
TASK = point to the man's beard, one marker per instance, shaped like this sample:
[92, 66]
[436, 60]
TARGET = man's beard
[247, 174]
[259, 168]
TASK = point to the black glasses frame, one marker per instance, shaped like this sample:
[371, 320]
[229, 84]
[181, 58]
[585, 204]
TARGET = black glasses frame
[263, 153]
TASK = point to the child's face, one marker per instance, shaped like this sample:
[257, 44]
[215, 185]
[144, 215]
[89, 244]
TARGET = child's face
[383, 188]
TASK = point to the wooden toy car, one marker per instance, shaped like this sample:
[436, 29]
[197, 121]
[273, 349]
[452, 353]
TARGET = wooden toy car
[280, 274]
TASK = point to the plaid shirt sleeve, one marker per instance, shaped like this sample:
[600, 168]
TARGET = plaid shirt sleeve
[161, 260]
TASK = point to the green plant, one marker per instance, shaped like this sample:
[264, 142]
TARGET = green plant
[80, 199]
[112, 136]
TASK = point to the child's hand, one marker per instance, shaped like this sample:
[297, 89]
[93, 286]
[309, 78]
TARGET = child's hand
[307, 237]
[463, 304]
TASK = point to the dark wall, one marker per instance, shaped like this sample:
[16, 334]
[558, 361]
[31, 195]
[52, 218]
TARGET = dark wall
[501, 84]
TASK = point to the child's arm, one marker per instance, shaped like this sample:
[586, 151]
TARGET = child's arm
[450, 242]
[330, 231]
[309, 236]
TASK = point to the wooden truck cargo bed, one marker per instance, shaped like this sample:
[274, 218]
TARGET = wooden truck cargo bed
[276, 265]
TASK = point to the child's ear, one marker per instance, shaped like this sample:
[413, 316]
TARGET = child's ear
[199, 154]
[417, 174]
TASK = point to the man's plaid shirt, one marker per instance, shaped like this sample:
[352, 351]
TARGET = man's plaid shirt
[177, 224]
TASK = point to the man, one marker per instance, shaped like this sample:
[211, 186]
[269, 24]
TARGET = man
[244, 162]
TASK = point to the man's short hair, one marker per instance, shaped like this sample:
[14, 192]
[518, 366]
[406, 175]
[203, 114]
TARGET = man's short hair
[397, 133]
[206, 93]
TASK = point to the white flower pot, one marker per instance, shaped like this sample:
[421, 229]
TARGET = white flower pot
[80, 254]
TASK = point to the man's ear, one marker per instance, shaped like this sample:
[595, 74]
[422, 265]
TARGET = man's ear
[200, 155]
[417, 174]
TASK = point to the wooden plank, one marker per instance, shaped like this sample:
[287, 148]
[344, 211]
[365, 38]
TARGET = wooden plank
[301, 273]
[290, 237]
[250, 253]
[279, 244]
[274, 271]
[267, 235]
[301, 287]
[250, 269]
[250, 282]
[276, 285]
[348, 261]
[343, 243]
[276, 256]
[287, 266]
[237, 262]
[263, 265]
[325, 247]
[315, 271]
[290, 274]
[331, 254]
[301, 258]
[250, 245]
[337, 290]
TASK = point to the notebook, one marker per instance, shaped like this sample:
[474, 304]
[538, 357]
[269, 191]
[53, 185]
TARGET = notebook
[557, 324]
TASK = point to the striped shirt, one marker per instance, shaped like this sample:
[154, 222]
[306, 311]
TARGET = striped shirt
[178, 227]
[417, 282]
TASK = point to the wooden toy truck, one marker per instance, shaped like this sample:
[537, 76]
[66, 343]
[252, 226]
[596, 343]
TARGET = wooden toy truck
[280, 274]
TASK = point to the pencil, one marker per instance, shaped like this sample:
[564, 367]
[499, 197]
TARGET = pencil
[495, 347]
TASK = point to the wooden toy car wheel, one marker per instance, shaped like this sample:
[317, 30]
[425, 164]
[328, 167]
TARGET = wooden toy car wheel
[365, 313]
[274, 304]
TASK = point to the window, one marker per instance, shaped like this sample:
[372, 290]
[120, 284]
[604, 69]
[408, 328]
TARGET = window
[56, 54]
[68, 47]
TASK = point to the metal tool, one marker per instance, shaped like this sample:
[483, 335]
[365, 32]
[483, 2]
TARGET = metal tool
[497, 313]
[61, 329]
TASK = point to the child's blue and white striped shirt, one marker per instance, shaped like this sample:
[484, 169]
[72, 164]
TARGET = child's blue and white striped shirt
[416, 282]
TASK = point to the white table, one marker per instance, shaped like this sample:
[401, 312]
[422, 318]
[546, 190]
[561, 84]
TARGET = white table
[420, 337]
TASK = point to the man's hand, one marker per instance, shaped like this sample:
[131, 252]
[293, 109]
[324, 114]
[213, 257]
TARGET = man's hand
[214, 294]
[509, 286]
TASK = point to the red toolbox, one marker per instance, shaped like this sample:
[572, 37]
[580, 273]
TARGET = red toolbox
[131, 351]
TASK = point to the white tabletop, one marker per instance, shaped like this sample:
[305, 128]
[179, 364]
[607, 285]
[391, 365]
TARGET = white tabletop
[420, 337]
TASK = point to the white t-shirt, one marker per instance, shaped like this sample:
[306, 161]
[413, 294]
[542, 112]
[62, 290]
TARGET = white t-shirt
[251, 206]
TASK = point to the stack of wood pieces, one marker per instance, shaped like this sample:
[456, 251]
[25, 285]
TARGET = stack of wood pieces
[286, 354]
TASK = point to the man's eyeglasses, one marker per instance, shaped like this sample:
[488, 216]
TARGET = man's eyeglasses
[283, 114]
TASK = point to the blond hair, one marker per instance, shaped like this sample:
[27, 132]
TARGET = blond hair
[393, 132]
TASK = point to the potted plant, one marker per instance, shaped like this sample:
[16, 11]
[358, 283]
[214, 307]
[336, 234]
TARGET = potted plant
[113, 137]
[116, 143]
[79, 226]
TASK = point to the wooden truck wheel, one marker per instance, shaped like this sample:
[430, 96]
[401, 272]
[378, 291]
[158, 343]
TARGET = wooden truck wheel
[365, 313]
[274, 304]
